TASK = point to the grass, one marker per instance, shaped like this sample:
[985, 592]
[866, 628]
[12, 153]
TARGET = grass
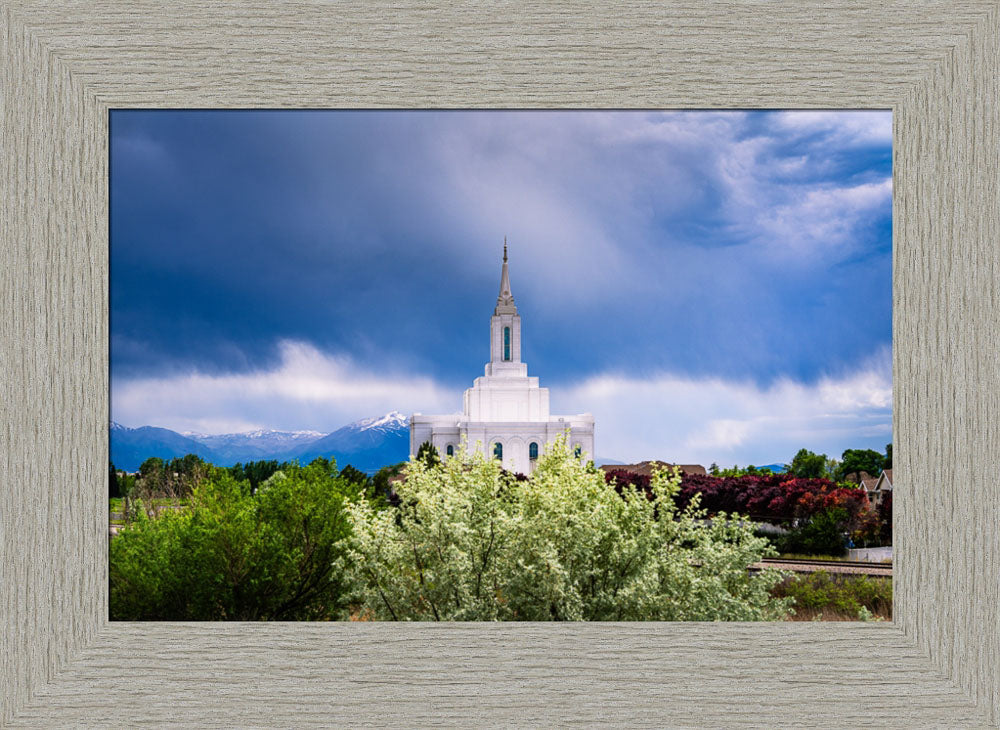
[803, 556]
[837, 597]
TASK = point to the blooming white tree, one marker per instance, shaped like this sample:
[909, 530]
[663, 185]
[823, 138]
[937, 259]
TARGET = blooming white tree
[469, 542]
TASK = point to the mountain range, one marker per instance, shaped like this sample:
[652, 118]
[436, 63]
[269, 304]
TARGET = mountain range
[367, 445]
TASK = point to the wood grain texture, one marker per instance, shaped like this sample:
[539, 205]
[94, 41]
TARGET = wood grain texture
[934, 63]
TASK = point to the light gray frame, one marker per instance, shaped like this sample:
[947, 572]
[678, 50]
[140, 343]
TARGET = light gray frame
[935, 64]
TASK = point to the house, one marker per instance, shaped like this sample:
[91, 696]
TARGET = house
[883, 486]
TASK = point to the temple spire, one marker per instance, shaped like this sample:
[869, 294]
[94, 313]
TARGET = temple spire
[505, 301]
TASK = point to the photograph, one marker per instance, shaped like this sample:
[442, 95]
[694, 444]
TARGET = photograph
[500, 365]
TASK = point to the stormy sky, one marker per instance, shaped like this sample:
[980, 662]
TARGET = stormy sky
[712, 286]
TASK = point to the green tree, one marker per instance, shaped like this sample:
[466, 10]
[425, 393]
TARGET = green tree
[233, 555]
[822, 535]
[855, 461]
[887, 464]
[808, 465]
[354, 476]
[381, 480]
[471, 542]
[428, 454]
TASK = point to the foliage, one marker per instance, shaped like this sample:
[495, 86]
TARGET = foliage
[120, 484]
[382, 485]
[470, 542]
[740, 471]
[354, 476]
[256, 472]
[807, 465]
[855, 461]
[887, 464]
[838, 594]
[236, 555]
[174, 478]
[823, 534]
[885, 519]
[777, 498]
[428, 454]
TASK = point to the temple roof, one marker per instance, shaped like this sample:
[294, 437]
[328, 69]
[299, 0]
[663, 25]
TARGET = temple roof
[505, 300]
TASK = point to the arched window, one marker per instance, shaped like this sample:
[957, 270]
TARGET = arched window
[498, 450]
[451, 450]
[533, 450]
[506, 343]
[578, 451]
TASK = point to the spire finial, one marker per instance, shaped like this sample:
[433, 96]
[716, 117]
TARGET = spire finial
[505, 301]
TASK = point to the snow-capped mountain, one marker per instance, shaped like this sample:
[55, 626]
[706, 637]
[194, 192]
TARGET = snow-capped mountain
[131, 446]
[368, 444]
[254, 445]
[390, 422]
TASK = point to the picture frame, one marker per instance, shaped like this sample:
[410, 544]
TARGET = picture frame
[64, 65]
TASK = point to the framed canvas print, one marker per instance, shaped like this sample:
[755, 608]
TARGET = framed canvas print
[66, 66]
[293, 327]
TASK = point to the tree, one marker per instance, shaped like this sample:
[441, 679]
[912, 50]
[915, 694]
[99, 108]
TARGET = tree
[808, 465]
[855, 461]
[470, 542]
[822, 535]
[887, 464]
[113, 481]
[233, 555]
[354, 476]
[428, 454]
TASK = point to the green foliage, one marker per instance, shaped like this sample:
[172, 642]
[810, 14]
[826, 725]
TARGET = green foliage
[380, 482]
[855, 461]
[120, 484]
[740, 471]
[808, 465]
[256, 472]
[174, 478]
[354, 476]
[471, 542]
[428, 454]
[887, 464]
[236, 555]
[841, 594]
[821, 535]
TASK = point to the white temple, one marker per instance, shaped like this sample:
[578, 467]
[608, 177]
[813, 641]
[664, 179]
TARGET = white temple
[505, 409]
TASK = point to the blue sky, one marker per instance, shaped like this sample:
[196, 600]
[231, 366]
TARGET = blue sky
[713, 286]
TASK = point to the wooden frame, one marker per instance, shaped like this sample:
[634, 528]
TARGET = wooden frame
[934, 63]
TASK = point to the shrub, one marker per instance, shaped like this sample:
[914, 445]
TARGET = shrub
[838, 594]
[233, 555]
[470, 542]
[822, 535]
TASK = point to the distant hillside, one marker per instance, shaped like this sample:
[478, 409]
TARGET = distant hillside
[254, 445]
[132, 446]
[367, 445]
[776, 468]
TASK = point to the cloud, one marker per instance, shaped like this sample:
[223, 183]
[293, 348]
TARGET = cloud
[307, 390]
[859, 127]
[694, 420]
[664, 416]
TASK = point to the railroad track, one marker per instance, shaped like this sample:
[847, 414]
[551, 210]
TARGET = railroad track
[806, 565]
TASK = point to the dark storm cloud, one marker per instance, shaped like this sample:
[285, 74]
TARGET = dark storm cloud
[744, 246]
